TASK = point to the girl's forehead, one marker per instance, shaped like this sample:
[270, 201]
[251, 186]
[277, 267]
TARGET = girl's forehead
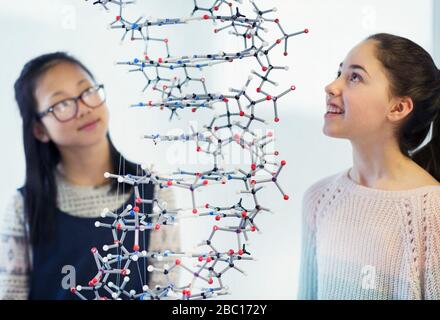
[63, 73]
[62, 76]
[363, 54]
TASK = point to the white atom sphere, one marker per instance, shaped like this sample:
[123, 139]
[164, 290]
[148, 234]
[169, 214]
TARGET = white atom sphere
[105, 248]
[120, 179]
[97, 224]
[145, 288]
[134, 258]
[150, 268]
[79, 288]
[107, 175]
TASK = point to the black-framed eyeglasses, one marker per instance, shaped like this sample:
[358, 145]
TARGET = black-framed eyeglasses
[67, 109]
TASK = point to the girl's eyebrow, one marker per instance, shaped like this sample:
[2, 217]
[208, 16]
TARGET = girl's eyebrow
[81, 81]
[58, 93]
[355, 66]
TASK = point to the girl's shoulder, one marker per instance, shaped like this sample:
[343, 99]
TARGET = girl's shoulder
[13, 220]
[434, 195]
[316, 193]
[16, 203]
[323, 185]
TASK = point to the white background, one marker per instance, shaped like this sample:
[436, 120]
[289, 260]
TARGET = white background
[30, 28]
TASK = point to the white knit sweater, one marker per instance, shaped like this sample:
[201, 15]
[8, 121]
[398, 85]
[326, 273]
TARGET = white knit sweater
[364, 243]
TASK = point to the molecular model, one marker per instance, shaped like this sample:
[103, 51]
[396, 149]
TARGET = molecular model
[232, 123]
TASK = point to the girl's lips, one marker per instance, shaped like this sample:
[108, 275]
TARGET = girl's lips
[89, 126]
[333, 110]
[330, 115]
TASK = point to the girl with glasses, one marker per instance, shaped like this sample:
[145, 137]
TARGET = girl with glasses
[50, 222]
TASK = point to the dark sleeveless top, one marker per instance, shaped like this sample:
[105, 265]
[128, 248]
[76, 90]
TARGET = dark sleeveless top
[71, 245]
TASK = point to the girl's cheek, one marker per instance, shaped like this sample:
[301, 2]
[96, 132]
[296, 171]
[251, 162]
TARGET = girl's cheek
[64, 131]
[105, 115]
[103, 112]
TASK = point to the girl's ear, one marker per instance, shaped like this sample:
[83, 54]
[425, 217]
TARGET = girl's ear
[401, 108]
[40, 132]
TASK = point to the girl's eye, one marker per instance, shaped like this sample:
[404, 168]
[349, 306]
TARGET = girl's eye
[88, 92]
[64, 105]
[354, 77]
[338, 74]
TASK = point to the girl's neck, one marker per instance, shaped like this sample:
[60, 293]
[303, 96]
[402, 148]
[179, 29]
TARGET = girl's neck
[85, 166]
[380, 164]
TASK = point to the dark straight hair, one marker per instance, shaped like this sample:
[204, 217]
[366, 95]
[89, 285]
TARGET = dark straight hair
[40, 190]
[412, 73]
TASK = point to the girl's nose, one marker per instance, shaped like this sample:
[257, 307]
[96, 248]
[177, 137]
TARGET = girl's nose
[83, 109]
[332, 89]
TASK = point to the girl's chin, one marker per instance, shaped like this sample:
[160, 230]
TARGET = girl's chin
[92, 139]
[332, 132]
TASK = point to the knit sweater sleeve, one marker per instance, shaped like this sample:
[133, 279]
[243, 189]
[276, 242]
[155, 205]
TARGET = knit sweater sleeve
[308, 266]
[14, 262]
[432, 260]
